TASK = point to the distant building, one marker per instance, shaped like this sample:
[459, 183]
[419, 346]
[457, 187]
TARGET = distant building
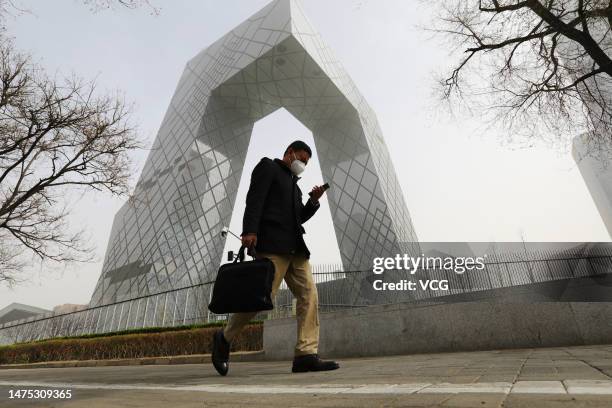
[68, 308]
[18, 311]
[598, 178]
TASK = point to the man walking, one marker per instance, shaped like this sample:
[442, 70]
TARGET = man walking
[272, 225]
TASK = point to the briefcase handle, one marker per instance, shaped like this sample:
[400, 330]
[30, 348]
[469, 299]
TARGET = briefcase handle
[241, 254]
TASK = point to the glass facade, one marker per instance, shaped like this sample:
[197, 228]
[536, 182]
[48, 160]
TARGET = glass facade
[168, 235]
[597, 175]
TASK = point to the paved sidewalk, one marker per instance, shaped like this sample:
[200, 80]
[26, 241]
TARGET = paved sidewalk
[553, 377]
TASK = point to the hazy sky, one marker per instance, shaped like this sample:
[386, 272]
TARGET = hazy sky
[461, 183]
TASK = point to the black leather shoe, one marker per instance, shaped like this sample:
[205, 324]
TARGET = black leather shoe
[220, 353]
[312, 362]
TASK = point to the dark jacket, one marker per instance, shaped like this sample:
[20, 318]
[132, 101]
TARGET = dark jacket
[274, 209]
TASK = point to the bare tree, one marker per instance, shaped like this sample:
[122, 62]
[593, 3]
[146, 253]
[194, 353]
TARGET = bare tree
[55, 136]
[541, 67]
[11, 264]
[98, 5]
[15, 8]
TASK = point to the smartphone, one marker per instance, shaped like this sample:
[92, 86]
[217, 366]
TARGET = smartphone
[325, 187]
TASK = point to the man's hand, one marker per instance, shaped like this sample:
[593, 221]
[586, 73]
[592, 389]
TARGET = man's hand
[316, 193]
[249, 241]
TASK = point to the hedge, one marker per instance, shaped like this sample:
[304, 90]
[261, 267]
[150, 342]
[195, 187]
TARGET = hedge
[162, 342]
[142, 330]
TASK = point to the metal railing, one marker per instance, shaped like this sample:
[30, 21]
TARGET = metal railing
[337, 290]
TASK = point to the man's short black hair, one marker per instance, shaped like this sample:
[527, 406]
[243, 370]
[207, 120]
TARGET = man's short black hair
[299, 145]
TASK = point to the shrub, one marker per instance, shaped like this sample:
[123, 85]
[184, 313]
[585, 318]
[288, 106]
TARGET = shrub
[165, 342]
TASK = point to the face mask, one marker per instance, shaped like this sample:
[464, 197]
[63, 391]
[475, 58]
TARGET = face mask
[297, 166]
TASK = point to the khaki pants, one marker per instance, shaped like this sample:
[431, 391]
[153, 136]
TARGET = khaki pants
[295, 269]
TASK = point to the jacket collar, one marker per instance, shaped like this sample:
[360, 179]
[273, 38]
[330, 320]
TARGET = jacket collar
[284, 166]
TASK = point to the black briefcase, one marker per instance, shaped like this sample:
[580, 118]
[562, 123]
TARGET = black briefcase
[244, 286]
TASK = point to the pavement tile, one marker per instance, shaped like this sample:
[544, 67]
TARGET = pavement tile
[555, 401]
[471, 401]
[387, 389]
[538, 387]
[496, 378]
[588, 387]
[447, 388]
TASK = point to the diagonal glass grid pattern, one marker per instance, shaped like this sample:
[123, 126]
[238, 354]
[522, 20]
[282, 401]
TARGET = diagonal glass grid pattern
[168, 235]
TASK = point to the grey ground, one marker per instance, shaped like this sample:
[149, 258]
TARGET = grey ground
[553, 377]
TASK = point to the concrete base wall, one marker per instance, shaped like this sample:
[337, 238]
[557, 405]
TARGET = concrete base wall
[409, 328]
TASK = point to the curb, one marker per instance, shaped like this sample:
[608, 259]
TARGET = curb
[238, 356]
